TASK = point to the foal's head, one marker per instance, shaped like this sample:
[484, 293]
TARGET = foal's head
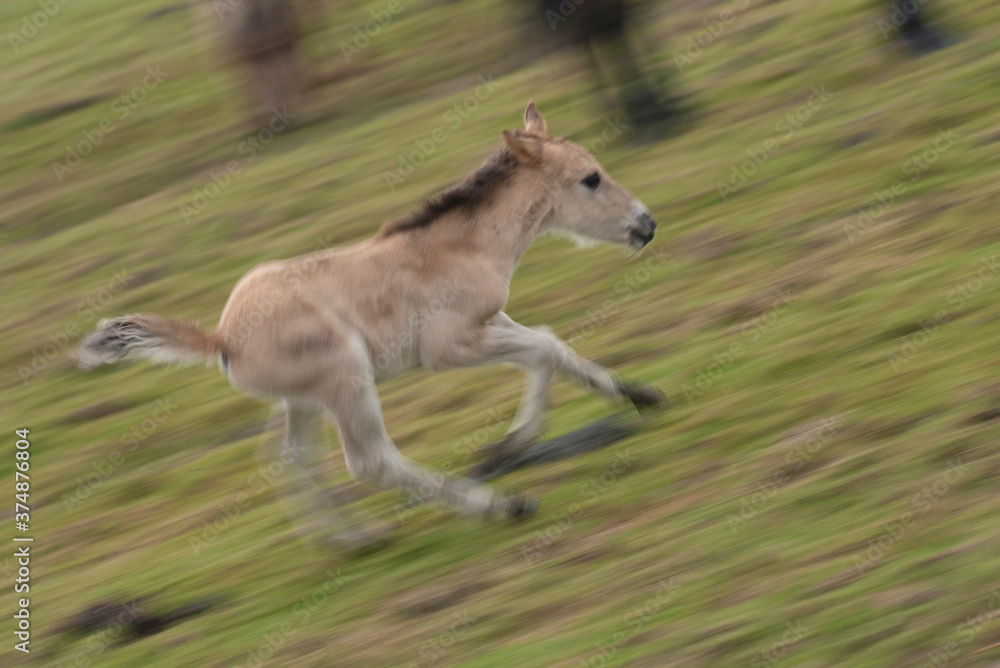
[586, 202]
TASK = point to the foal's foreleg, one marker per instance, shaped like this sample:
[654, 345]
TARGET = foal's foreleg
[606, 381]
[529, 420]
[540, 352]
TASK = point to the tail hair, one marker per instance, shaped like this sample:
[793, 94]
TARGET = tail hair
[147, 337]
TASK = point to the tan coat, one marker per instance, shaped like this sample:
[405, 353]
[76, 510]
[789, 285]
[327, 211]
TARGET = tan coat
[319, 331]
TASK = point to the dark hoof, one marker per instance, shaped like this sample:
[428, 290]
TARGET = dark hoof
[521, 507]
[642, 395]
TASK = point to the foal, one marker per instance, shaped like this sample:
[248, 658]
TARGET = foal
[319, 331]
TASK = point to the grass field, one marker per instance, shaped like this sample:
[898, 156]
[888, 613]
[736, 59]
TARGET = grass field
[820, 304]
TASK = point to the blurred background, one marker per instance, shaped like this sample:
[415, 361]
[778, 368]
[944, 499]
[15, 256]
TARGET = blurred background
[820, 304]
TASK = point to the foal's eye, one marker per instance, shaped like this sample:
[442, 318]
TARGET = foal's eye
[592, 181]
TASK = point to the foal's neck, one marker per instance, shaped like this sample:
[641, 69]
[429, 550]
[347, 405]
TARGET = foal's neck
[503, 228]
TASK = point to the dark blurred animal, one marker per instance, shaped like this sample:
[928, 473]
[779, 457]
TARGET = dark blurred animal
[909, 18]
[262, 39]
[263, 36]
[429, 291]
[600, 29]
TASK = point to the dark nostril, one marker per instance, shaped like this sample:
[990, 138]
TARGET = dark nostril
[648, 220]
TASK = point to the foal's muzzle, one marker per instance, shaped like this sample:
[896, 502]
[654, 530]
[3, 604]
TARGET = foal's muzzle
[641, 231]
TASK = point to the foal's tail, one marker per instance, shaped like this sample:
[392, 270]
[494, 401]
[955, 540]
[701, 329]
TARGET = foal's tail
[150, 337]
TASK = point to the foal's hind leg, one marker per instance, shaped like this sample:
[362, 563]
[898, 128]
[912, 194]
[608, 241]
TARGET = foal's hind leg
[371, 455]
[304, 432]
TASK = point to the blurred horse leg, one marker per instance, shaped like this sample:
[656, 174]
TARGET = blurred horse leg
[326, 512]
[910, 18]
[600, 28]
[351, 398]
[541, 353]
[263, 36]
[637, 94]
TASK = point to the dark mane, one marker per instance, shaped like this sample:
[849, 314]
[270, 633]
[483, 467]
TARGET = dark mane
[470, 193]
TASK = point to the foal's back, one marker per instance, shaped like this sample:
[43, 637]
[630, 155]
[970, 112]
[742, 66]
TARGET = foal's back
[377, 298]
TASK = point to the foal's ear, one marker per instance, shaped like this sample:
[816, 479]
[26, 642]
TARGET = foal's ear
[527, 148]
[533, 121]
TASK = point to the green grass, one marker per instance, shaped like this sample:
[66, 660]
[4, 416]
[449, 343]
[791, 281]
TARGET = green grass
[693, 316]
